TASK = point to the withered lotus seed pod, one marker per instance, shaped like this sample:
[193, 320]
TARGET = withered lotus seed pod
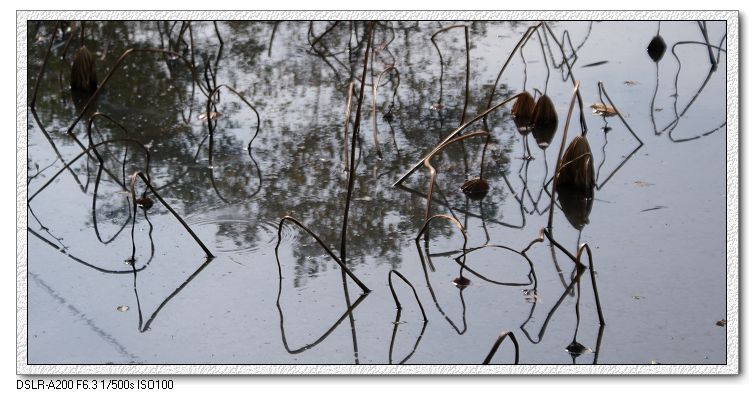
[522, 111]
[576, 170]
[476, 188]
[83, 72]
[544, 121]
[656, 48]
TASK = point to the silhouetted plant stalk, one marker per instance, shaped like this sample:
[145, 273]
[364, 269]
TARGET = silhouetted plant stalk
[498, 341]
[522, 41]
[395, 298]
[374, 104]
[582, 121]
[350, 90]
[216, 92]
[451, 136]
[601, 93]
[100, 168]
[674, 123]
[427, 278]
[183, 223]
[582, 248]
[86, 151]
[575, 93]
[322, 244]
[432, 170]
[704, 29]
[530, 275]
[466, 84]
[145, 325]
[354, 137]
[352, 167]
[396, 322]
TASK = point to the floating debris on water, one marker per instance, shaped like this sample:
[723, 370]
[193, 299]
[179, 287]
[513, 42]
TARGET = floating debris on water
[122, 308]
[603, 109]
[721, 322]
[595, 64]
[213, 115]
[653, 208]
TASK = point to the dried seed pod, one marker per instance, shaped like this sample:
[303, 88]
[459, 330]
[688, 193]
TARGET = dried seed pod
[656, 48]
[576, 349]
[476, 188]
[576, 168]
[544, 121]
[461, 282]
[522, 112]
[145, 202]
[83, 72]
[576, 205]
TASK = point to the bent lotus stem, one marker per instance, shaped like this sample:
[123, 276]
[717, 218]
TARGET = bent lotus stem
[183, 223]
[240, 96]
[393, 292]
[432, 170]
[453, 134]
[323, 245]
[497, 344]
[582, 248]
[453, 221]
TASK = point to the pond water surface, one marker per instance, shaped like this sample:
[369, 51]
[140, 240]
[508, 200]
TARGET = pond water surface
[655, 226]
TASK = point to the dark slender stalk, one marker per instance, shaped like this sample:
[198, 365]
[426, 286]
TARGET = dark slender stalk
[393, 292]
[498, 342]
[451, 136]
[183, 223]
[323, 245]
[582, 248]
[354, 137]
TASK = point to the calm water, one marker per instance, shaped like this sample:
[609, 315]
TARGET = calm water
[656, 225]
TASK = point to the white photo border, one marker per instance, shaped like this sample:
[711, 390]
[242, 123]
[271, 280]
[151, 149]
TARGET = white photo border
[732, 197]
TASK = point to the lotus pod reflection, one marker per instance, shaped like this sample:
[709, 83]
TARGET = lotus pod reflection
[656, 48]
[522, 112]
[476, 188]
[544, 121]
[576, 169]
[83, 72]
[576, 205]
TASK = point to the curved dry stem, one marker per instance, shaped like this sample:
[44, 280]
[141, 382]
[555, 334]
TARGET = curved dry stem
[393, 292]
[452, 135]
[432, 170]
[582, 121]
[183, 223]
[522, 41]
[582, 248]
[354, 137]
[498, 342]
[466, 84]
[461, 260]
[68, 164]
[323, 245]
[453, 221]
[240, 96]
